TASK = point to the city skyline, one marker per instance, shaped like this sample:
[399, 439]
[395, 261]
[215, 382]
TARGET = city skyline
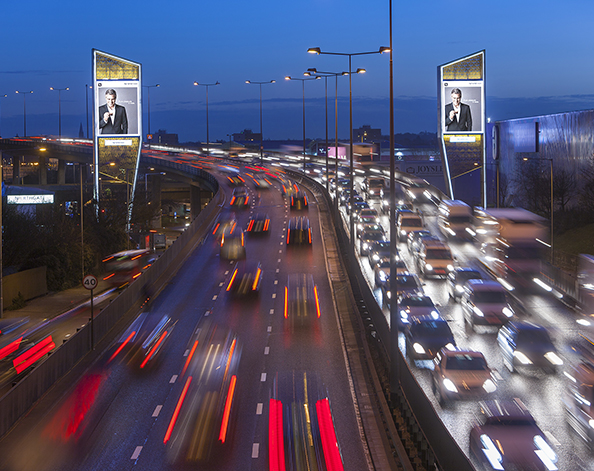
[528, 73]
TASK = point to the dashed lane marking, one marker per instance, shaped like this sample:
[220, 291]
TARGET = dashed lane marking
[266, 350]
[157, 411]
[263, 377]
[259, 408]
[269, 328]
[136, 453]
[255, 450]
[173, 379]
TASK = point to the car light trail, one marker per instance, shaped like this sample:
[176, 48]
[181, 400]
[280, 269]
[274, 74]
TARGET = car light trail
[227, 410]
[26, 359]
[121, 347]
[328, 436]
[153, 350]
[189, 359]
[276, 446]
[177, 409]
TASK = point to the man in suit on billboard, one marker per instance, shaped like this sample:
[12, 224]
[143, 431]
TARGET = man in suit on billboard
[458, 117]
[112, 117]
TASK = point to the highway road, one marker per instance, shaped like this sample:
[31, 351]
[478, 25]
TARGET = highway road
[540, 391]
[118, 414]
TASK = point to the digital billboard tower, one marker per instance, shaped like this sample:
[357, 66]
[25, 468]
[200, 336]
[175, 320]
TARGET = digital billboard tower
[117, 119]
[461, 128]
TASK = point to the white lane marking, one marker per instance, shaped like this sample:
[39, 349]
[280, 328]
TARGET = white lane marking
[259, 408]
[281, 242]
[214, 297]
[227, 272]
[280, 251]
[221, 284]
[187, 352]
[272, 310]
[266, 350]
[278, 270]
[207, 313]
[255, 450]
[136, 453]
[276, 282]
[157, 411]
[269, 328]
[279, 260]
[263, 377]
[173, 379]
[273, 295]
[552, 439]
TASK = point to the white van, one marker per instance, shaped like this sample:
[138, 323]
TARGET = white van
[455, 219]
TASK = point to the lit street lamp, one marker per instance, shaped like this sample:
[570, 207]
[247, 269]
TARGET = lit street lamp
[207, 136]
[25, 111]
[261, 132]
[148, 87]
[288, 77]
[60, 108]
[316, 50]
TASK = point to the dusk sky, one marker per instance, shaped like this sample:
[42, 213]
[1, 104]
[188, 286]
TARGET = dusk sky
[538, 61]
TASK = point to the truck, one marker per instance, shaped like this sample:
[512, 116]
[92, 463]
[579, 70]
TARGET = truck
[455, 219]
[513, 242]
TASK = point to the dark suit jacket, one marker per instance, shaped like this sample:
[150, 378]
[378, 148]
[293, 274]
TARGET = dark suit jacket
[120, 125]
[464, 122]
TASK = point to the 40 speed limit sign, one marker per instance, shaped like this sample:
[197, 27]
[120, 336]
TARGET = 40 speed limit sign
[90, 282]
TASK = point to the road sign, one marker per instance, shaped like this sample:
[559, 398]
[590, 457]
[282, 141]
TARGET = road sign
[90, 282]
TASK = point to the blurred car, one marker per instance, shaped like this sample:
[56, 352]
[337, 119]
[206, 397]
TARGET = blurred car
[287, 189]
[434, 259]
[368, 216]
[299, 200]
[245, 279]
[373, 187]
[259, 223]
[460, 374]
[368, 238]
[239, 198]
[232, 244]
[411, 306]
[406, 284]
[400, 205]
[200, 427]
[506, 436]
[458, 277]
[235, 180]
[578, 396]
[301, 306]
[301, 432]
[379, 250]
[376, 227]
[261, 183]
[415, 238]
[527, 345]
[425, 336]
[485, 302]
[224, 221]
[407, 222]
[381, 269]
[357, 207]
[345, 197]
[299, 231]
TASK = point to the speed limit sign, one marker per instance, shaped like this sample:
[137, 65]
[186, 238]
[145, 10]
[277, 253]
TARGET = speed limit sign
[90, 282]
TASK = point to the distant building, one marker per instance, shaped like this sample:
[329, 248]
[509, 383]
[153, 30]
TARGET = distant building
[366, 134]
[247, 136]
[163, 137]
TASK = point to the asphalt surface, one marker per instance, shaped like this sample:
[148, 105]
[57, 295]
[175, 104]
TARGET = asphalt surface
[117, 415]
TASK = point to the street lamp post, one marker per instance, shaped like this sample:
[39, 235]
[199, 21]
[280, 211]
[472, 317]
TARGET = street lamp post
[24, 111]
[87, 86]
[148, 87]
[316, 50]
[59, 90]
[288, 77]
[335, 75]
[1, 96]
[207, 136]
[261, 132]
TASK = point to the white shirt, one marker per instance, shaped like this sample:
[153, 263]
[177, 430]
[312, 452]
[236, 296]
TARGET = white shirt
[112, 112]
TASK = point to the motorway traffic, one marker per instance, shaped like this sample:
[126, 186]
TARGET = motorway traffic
[213, 375]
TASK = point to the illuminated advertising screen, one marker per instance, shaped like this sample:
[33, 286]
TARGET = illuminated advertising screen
[117, 118]
[461, 126]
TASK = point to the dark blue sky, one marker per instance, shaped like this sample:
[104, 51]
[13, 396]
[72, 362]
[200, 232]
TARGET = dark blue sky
[538, 60]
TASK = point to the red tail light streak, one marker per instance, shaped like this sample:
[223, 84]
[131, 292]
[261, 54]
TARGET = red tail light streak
[276, 445]
[328, 436]
[180, 401]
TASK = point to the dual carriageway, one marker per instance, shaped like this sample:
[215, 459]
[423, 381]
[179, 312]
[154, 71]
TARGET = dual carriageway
[276, 362]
